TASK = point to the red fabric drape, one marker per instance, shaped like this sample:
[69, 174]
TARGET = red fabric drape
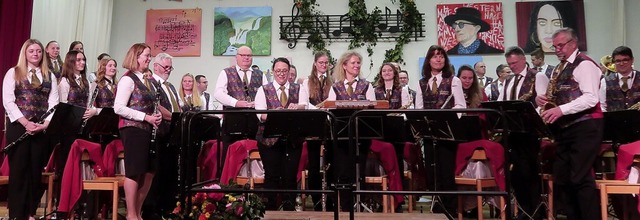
[15, 26]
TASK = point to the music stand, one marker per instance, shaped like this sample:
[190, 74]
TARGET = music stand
[105, 123]
[442, 126]
[298, 124]
[621, 127]
[370, 127]
[66, 120]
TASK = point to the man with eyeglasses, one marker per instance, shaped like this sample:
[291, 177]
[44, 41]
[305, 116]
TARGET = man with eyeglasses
[467, 22]
[575, 119]
[161, 197]
[481, 70]
[620, 90]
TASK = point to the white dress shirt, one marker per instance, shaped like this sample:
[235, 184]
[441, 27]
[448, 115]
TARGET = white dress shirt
[64, 87]
[125, 88]
[207, 106]
[9, 96]
[456, 90]
[603, 88]
[370, 95]
[522, 74]
[168, 92]
[222, 94]
[587, 74]
[261, 99]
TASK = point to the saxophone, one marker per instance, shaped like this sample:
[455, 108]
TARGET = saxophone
[634, 106]
[551, 89]
[411, 98]
[529, 93]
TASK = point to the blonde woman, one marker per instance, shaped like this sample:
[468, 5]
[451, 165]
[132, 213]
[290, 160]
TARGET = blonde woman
[348, 85]
[189, 101]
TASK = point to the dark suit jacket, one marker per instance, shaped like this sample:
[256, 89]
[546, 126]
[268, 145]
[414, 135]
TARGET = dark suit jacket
[482, 49]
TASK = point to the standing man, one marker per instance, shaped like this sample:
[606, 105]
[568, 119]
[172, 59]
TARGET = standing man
[524, 145]
[493, 90]
[537, 59]
[576, 123]
[203, 84]
[403, 76]
[162, 195]
[237, 87]
[481, 69]
[466, 23]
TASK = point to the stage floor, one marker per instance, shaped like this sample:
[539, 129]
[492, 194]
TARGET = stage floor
[309, 215]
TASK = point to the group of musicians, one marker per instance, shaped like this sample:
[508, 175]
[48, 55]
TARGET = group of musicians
[572, 104]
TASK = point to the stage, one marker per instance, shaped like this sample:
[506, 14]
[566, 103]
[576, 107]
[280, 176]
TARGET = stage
[309, 215]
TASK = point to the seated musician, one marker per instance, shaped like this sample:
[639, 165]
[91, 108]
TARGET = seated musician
[348, 84]
[473, 93]
[621, 90]
[280, 156]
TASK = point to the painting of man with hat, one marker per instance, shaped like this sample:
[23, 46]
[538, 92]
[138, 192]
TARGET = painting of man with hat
[469, 26]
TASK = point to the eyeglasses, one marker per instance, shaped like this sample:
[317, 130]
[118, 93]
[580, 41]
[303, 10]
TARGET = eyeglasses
[461, 25]
[167, 68]
[281, 71]
[622, 61]
[560, 46]
[245, 55]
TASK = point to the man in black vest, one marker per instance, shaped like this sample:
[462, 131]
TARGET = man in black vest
[576, 121]
[203, 83]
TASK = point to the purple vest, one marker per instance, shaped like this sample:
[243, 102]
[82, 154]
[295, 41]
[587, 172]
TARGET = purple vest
[567, 90]
[528, 85]
[142, 99]
[431, 101]
[105, 97]
[395, 101]
[359, 93]
[32, 102]
[236, 87]
[618, 100]
[273, 100]
[78, 96]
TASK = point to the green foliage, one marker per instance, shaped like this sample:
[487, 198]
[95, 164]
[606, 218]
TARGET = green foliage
[256, 39]
[223, 30]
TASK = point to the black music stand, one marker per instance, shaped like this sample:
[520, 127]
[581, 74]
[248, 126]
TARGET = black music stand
[521, 116]
[621, 127]
[66, 120]
[444, 126]
[103, 124]
[369, 127]
[301, 124]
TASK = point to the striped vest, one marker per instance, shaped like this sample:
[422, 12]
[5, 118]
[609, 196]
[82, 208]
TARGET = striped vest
[236, 87]
[33, 102]
[359, 92]
[431, 101]
[567, 90]
[616, 99]
[78, 96]
[142, 99]
[395, 101]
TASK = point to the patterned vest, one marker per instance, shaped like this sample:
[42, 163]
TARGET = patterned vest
[616, 99]
[273, 102]
[78, 96]
[395, 102]
[549, 71]
[567, 90]
[236, 87]
[32, 102]
[495, 93]
[207, 97]
[323, 92]
[359, 93]
[142, 99]
[105, 96]
[527, 89]
[431, 101]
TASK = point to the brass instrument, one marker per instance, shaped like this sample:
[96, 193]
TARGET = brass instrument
[551, 89]
[634, 106]
[529, 93]
[607, 63]
[411, 98]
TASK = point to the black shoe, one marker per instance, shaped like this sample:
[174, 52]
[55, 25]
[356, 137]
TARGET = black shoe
[151, 216]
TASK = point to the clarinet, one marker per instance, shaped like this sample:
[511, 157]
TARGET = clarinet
[323, 170]
[153, 145]
[89, 106]
[25, 135]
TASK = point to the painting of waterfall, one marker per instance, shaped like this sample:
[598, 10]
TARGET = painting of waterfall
[239, 26]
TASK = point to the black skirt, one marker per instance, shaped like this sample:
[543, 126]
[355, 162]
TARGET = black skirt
[137, 159]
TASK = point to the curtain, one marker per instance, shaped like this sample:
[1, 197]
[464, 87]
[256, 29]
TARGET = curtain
[65, 21]
[15, 26]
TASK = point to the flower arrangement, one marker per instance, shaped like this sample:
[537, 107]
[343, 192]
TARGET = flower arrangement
[219, 205]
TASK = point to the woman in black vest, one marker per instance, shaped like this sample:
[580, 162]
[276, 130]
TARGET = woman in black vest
[135, 102]
[53, 56]
[28, 91]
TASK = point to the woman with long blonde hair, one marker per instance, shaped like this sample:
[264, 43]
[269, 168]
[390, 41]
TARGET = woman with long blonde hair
[189, 101]
[348, 84]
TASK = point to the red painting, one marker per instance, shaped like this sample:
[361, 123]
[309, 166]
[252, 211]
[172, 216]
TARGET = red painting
[470, 28]
[538, 20]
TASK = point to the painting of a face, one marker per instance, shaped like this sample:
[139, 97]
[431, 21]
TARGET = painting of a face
[549, 21]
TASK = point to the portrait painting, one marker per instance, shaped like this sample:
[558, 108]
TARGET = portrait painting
[234, 27]
[470, 28]
[538, 20]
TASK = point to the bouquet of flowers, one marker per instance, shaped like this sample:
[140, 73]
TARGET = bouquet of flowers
[219, 205]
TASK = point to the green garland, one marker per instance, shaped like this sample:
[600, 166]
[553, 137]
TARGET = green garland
[363, 25]
[410, 20]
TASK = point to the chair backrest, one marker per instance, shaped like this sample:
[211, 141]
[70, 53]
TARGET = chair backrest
[86, 166]
[120, 171]
[252, 166]
[479, 154]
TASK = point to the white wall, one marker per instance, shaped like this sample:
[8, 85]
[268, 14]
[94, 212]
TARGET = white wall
[129, 23]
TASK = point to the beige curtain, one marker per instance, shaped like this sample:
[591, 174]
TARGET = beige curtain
[66, 21]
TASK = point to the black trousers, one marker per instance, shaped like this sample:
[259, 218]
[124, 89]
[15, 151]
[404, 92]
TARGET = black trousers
[578, 146]
[440, 164]
[525, 180]
[280, 163]
[315, 177]
[161, 198]
[26, 161]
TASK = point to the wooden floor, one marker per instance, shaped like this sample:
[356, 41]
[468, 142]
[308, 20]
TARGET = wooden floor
[308, 215]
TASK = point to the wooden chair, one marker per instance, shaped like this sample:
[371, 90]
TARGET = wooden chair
[607, 187]
[383, 181]
[479, 155]
[47, 178]
[100, 183]
[409, 176]
[253, 155]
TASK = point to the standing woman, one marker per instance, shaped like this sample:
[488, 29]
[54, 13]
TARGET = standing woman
[53, 56]
[348, 84]
[107, 83]
[189, 101]
[28, 90]
[135, 103]
[76, 45]
[440, 89]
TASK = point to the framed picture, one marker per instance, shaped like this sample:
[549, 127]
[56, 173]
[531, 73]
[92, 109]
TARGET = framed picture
[242, 26]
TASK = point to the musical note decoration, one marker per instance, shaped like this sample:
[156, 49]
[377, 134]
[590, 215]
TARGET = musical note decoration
[296, 27]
